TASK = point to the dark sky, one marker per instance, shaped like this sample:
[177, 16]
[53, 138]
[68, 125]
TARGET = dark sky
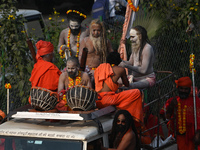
[46, 6]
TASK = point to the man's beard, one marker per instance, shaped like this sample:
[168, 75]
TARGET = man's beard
[135, 45]
[72, 74]
[183, 95]
[120, 128]
[96, 43]
[75, 31]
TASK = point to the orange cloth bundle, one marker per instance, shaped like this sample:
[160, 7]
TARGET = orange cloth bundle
[2, 114]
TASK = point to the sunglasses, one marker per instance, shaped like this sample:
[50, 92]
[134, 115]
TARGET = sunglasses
[121, 121]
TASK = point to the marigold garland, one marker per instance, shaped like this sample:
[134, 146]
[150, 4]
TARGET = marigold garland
[181, 122]
[75, 11]
[61, 52]
[78, 44]
[93, 68]
[71, 81]
[192, 57]
[7, 86]
[132, 6]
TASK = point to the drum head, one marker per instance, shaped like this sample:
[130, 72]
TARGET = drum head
[43, 99]
[81, 98]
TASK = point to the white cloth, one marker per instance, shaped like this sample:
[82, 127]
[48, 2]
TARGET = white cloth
[112, 5]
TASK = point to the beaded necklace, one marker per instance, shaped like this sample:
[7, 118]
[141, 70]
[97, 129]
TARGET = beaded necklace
[181, 123]
[78, 44]
[71, 81]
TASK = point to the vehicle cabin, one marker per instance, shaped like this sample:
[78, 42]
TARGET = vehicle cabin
[33, 130]
[34, 23]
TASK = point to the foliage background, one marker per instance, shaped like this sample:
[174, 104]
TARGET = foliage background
[16, 63]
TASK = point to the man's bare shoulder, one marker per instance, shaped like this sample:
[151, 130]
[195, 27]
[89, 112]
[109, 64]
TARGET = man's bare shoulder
[85, 75]
[84, 29]
[65, 30]
[129, 135]
[63, 75]
[119, 69]
[87, 39]
[148, 47]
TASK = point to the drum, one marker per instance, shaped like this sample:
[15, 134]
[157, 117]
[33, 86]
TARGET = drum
[43, 99]
[81, 98]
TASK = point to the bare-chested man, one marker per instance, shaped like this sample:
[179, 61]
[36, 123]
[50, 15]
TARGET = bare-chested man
[73, 76]
[70, 38]
[97, 44]
[140, 64]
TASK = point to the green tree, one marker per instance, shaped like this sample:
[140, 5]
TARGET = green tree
[52, 32]
[15, 58]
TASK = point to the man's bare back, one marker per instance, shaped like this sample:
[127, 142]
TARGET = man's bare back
[119, 72]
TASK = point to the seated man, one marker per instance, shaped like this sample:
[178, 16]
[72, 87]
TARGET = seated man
[123, 134]
[45, 74]
[106, 77]
[140, 64]
[70, 78]
[97, 44]
[184, 106]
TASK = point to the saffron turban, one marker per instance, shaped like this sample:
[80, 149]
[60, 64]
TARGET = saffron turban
[184, 81]
[43, 48]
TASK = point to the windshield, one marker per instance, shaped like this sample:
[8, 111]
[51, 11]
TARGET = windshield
[15, 143]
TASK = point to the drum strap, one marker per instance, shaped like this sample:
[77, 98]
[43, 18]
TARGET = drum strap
[100, 128]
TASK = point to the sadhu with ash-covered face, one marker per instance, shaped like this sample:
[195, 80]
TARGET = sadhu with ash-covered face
[70, 38]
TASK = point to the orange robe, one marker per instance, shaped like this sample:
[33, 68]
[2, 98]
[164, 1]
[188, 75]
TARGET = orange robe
[46, 75]
[147, 137]
[151, 122]
[130, 100]
[2, 114]
[2, 143]
[185, 141]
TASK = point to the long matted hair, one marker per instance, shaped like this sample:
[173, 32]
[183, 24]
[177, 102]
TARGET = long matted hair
[104, 50]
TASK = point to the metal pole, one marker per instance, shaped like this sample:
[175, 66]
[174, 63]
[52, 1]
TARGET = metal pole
[194, 98]
[7, 101]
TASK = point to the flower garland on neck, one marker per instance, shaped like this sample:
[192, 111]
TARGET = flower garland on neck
[71, 81]
[181, 123]
[78, 44]
[132, 6]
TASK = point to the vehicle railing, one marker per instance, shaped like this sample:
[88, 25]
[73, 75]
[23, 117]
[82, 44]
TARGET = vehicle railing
[158, 100]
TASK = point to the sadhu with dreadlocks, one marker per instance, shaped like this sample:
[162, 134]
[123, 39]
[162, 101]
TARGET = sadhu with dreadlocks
[140, 64]
[123, 134]
[97, 44]
[70, 37]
